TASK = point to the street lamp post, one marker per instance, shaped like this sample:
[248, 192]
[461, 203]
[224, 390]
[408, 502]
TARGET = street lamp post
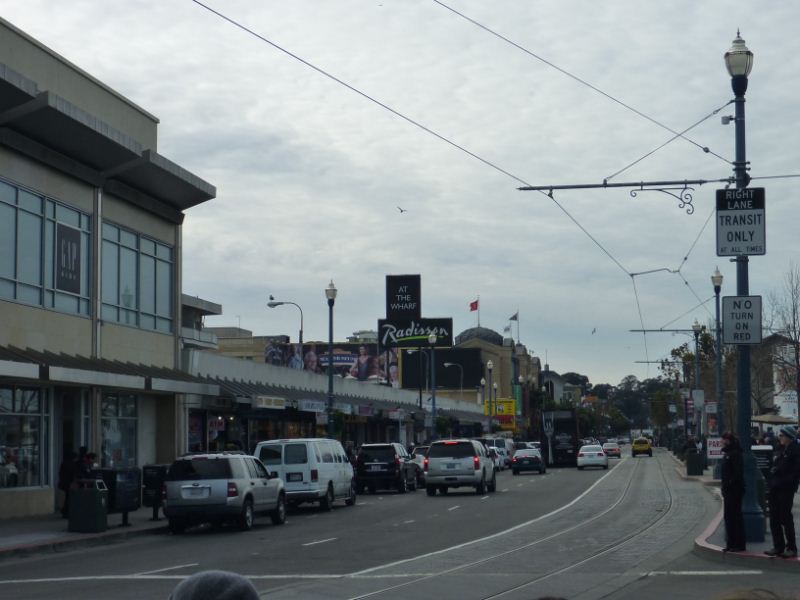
[330, 294]
[432, 342]
[697, 329]
[716, 281]
[483, 396]
[461, 387]
[739, 62]
[275, 303]
[494, 401]
[489, 367]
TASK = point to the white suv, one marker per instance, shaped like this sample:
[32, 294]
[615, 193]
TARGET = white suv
[459, 463]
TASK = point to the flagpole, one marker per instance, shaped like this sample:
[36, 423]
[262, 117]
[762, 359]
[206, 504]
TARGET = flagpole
[479, 310]
[518, 340]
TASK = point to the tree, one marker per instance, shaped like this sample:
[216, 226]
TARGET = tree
[784, 317]
[578, 379]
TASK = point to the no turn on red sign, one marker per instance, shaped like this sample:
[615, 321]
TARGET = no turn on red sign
[741, 319]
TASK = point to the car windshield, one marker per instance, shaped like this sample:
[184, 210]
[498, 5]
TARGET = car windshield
[377, 453]
[591, 449]
[421, 450]
[527, 452]
[641, 441]
[199, 468]
[451, 450]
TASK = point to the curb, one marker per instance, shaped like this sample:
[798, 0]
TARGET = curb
[60, 545]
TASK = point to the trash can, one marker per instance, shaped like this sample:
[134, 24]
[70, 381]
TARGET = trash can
[153, 477]
[88, 508]
[694, 463]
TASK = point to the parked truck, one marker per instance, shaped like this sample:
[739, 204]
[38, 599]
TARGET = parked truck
[560, 437]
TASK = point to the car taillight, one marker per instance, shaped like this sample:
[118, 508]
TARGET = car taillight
[425, 465]
[397, 461]
[514, 459]
[476, 461]
[163, 492]
[233, 491]
[314, 475]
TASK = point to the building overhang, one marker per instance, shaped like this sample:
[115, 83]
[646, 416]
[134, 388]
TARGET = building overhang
[54, 131]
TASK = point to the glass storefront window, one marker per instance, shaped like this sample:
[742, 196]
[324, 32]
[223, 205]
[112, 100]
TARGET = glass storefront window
[22, 429]
[118, 447]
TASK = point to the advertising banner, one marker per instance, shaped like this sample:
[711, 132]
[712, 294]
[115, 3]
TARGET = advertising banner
[350, 360]
[403, 297]
[68, 259]
[413, 333]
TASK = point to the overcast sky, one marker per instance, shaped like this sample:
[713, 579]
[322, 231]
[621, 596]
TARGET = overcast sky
[309, 174]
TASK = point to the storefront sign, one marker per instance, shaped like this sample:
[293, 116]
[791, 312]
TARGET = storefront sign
[317, 406]
[269, 402]
[345, 409]
[396, 414]
[366, 410]
[714, 448]
[68, 257]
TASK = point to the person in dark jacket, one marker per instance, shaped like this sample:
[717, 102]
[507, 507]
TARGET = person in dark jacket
[66, 476]
[732, 475]
[783, 482]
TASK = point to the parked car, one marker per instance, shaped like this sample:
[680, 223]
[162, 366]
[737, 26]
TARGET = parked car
[459, 463]
[418, 456]
[212, 488]
[592, 456]
[385, 466]
[641, 445]
[527, 459]
[313, 470]
[612, 449]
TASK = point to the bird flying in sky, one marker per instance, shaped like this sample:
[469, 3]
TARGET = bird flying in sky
[402, 210]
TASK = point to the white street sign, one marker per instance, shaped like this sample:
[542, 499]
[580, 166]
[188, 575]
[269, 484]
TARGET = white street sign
[741, 319]
[741, 229]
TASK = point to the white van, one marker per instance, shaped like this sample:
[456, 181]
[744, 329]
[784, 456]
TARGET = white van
[312, 469]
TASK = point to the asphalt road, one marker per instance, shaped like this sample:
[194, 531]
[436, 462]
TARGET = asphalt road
[624, 533]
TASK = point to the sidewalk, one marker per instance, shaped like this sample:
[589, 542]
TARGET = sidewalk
[48, 533]
[711, 542]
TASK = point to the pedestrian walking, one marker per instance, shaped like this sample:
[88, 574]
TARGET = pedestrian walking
[783, 482]
[732, 474]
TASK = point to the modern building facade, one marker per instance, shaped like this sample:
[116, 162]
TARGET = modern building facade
[90, 276]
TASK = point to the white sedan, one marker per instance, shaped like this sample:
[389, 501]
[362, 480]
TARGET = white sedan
[592, 456]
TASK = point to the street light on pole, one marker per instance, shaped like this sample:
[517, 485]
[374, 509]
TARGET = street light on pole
[697, 329]
[432, 342]
[489, 367]
[450, 364]
[330, 294]
[494, 401]
[483, 396]
[275, 303]
[739, 62]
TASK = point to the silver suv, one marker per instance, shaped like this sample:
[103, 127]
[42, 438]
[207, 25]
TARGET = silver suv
[217, 487]
[458, 463]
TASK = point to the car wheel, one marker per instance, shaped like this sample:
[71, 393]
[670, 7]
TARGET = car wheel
[515, 472]
[246, 518]
[580, 468]
[430, 490]
[492, 487]
[605, 467]
[413, 485]
[351, 499]
[542, 471]
[278, 515]
[326, 503]
[480, 489]
[402, 485]
[650, 453]
[443, 489]
[372, 489]
[12, 480]
[177, 526]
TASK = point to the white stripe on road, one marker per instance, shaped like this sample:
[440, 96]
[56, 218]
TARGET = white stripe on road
[168, 569]
[318, 542]
[700, 573]
[407, 522]
[453, 508]
[484, 497]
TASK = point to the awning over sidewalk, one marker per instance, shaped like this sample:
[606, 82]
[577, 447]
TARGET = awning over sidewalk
[65, 369]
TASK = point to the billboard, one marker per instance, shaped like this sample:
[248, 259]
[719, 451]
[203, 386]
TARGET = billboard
[413, 333]
[464, 371]
[403, 297]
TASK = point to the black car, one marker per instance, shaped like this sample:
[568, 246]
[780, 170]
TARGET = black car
[385, 466]
[527, 459]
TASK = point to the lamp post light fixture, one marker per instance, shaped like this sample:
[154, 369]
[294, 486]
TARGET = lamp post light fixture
[716, 281]
[697, 329]
[330, 294]
[483, 396]
[461, 369]
[275, 303]
[739, 62]
[489, 367]
[432, 342]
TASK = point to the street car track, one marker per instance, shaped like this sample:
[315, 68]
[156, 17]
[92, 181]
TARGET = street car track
[616, 544]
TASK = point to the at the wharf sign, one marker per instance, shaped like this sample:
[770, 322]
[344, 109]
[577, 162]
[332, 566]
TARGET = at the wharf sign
[740, 222]
[403, 297]
[413, 333]
[741, 319]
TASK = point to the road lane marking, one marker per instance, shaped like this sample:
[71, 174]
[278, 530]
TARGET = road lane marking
[168, 569]
[453, 508]
[700, 573]
[484, 497]
[318, 542]
[504, 490]
[407, 522]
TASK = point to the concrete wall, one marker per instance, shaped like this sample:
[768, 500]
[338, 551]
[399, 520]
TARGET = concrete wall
[32, 327]
[54, 73]
[121, 213]
[26, 502]
[120, 342]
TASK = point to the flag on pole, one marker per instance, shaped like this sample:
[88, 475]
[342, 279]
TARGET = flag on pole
[473, 306]
[514, 317]
[507, 329]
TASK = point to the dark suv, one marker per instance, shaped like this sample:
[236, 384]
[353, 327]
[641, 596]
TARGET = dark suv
[386, 466]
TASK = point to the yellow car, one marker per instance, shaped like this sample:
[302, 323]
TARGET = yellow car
[641, 446]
